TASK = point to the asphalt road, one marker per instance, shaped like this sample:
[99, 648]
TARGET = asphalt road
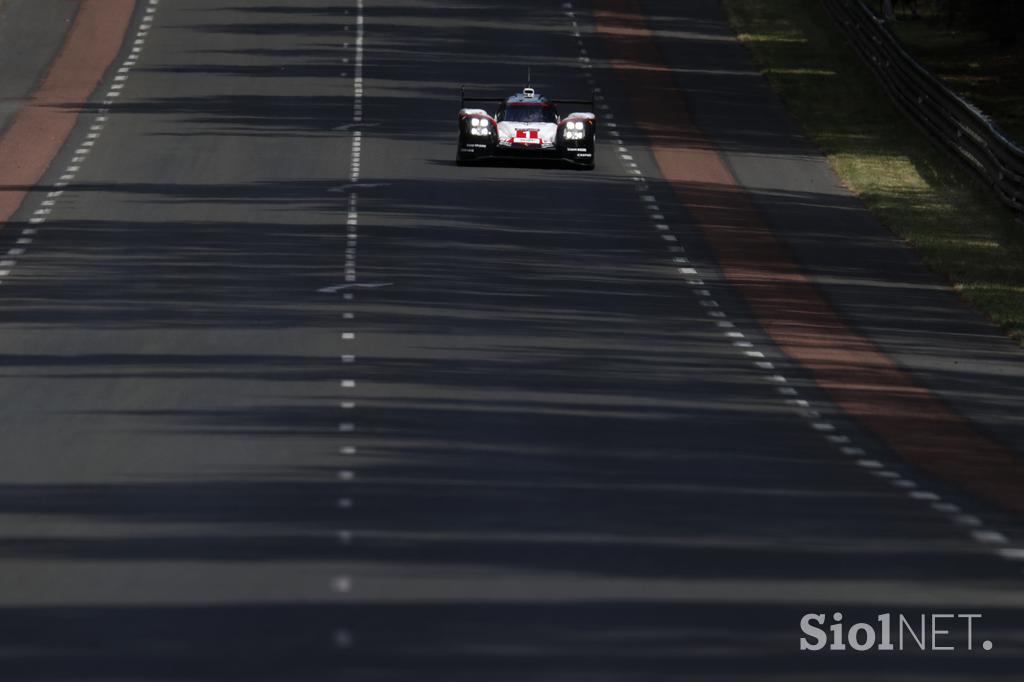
[31, 33]
[508, 442]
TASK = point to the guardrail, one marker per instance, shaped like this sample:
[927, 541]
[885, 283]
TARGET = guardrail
[953, 121]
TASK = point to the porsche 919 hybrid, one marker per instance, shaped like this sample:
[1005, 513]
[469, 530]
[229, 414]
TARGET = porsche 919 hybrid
[526, 125]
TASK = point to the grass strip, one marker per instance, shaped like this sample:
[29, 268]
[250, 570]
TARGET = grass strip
[919, 192]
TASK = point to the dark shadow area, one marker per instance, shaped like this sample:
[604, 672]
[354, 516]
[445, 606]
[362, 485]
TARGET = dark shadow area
[559, 467]
[286, 641]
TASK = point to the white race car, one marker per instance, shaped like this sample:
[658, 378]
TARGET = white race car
[526, 125]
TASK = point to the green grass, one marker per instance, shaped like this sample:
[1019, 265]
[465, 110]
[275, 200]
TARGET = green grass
[920, 193]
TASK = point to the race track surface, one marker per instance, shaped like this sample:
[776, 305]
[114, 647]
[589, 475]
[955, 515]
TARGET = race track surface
[31, 34]
[288, 395]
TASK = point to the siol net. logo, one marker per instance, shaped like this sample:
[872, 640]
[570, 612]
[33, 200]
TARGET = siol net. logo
[889, 632]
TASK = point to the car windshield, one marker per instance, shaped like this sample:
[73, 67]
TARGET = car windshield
[530, 113]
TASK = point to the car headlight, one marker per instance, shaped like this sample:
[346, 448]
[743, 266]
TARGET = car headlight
[574, 130]
[479, 126]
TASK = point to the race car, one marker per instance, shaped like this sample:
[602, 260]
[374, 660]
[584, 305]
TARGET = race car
[526, 125]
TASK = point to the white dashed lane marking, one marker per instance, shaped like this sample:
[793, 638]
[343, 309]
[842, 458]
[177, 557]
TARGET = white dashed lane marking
[343, 584]
[788, 393]
[95, 129]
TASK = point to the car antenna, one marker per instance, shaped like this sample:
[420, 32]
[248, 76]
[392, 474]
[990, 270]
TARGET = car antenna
[529, 77]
